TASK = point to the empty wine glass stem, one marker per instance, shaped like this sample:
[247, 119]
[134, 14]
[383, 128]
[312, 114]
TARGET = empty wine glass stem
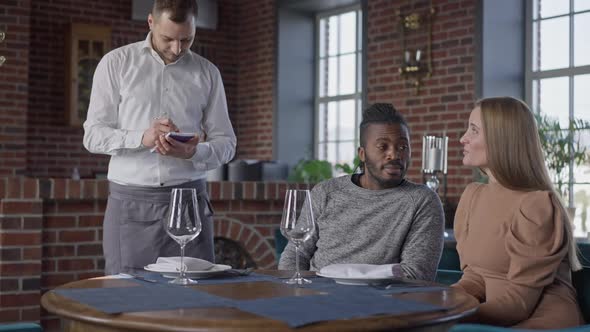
[297, 273]
[182, 261]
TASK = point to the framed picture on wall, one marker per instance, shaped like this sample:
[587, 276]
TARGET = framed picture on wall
[85, 46]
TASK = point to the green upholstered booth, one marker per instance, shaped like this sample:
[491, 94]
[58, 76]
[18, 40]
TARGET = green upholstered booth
[488, 328]
[581, 281]
[449, 259]
[20, 327]
[280, 243]
[447, 277]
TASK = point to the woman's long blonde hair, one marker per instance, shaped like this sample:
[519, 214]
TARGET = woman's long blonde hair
[515, 156]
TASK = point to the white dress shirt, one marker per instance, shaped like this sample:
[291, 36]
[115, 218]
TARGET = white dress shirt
[131, 87]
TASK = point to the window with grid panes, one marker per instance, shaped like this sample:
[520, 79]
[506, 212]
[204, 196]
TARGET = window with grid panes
[558, 82]
[339, 85]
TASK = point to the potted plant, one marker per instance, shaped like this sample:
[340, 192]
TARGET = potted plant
[561, 146]
[311, 171]
[314, 171]
[348, 169]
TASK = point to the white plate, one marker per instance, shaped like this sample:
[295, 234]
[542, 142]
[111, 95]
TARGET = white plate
[356, 281]
[215, 270]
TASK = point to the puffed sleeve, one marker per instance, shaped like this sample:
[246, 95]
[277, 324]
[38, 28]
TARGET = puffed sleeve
[536, 245]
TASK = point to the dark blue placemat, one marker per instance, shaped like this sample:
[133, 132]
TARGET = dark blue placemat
[330, 286]
[413, 289]
[220, 279]
[233, 279]
[303, 310]
[320, 284]
[155, 297]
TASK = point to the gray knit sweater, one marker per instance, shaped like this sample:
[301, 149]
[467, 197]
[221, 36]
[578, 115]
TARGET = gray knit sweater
[356, 225]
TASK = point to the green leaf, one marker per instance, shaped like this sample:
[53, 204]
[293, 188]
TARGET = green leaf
[561, 146]
[347, 168]
[311, 171]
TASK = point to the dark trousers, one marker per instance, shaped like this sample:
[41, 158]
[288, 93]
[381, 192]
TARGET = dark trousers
[133, 231]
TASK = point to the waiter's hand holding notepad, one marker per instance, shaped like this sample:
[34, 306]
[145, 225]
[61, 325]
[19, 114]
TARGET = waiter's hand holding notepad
[181, 137]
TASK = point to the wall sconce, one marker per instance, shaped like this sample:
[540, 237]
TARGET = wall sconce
[434, 160]
[416, 62]
[2, 58]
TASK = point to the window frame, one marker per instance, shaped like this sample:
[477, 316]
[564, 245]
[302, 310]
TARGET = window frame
[570, 72]
[77, 33]
[358, 95]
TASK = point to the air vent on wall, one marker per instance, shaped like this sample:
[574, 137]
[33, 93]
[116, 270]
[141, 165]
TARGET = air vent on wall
[207, 12]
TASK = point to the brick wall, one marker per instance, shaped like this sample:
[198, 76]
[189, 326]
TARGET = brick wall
[446, 99]
[53, 147]
[20, 253]
[51, 234]
[256, 54]
[14, 21]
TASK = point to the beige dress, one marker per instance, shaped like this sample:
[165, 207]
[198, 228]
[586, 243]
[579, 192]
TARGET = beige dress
[513, 253]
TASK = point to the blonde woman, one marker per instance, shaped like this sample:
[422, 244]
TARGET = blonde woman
[514, 237]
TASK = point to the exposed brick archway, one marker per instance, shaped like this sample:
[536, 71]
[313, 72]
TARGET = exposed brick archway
[260, 248]
[250, 213]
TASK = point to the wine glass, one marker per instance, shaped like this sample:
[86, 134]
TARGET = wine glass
[183, 225]
[297, 225]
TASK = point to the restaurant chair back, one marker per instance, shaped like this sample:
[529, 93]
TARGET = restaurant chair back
[21, 327]
[447, 277]
[581, 281]
[489, 328]
[449, 259]
[280, 243]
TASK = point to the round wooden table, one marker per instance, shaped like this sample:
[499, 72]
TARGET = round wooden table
[79, 317]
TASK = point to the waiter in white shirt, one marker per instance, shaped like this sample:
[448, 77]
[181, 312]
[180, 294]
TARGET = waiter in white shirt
[140, 92]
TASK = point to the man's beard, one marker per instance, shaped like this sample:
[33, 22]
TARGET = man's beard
[372, 171]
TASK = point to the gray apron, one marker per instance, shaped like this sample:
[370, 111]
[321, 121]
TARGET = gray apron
[133, 232]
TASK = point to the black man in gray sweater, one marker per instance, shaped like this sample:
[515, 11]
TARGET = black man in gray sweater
[375, 217]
